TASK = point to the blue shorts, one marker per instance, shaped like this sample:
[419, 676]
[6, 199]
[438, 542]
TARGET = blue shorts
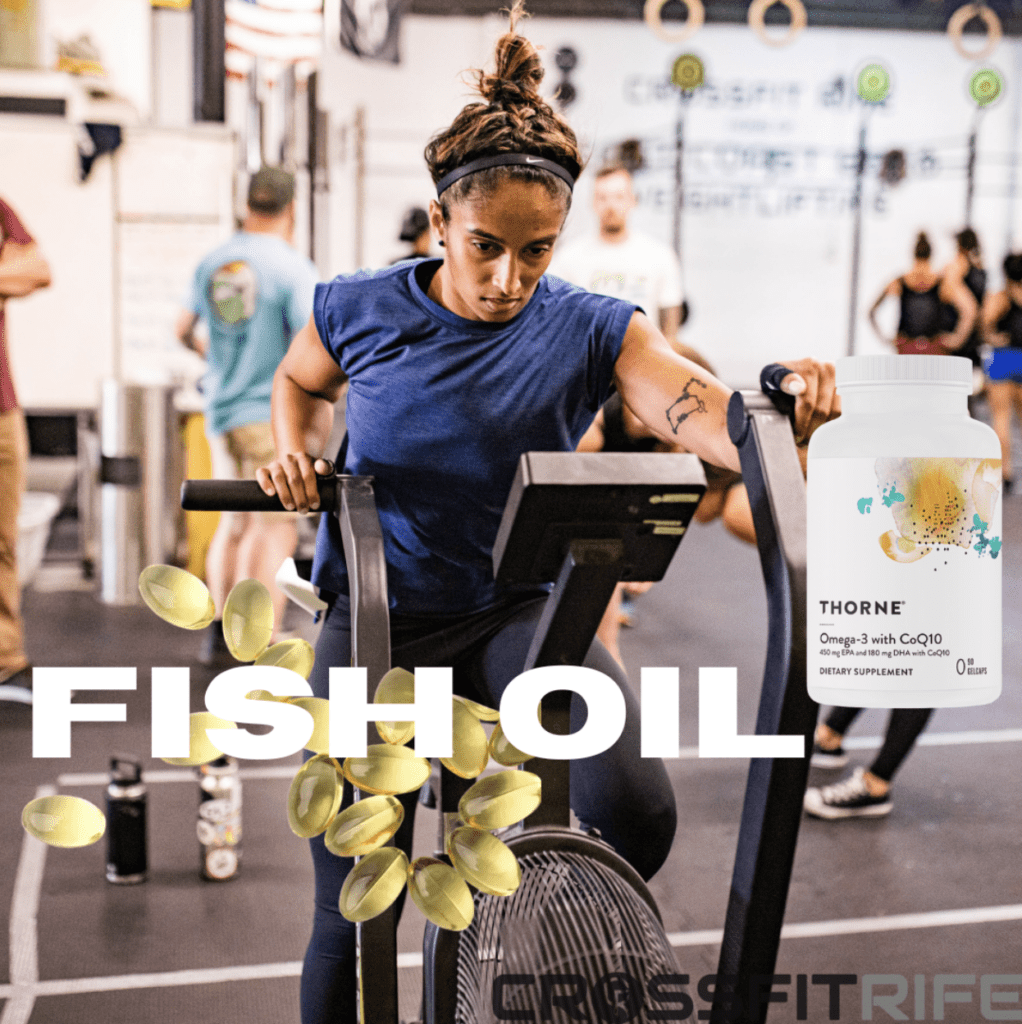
[1005, 364]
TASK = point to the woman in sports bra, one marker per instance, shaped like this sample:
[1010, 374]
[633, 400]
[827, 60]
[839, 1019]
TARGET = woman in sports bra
[966, 271]
[1002, 329]
[922, 324]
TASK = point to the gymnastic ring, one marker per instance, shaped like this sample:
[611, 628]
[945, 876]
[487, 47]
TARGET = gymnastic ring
[692, 24]
[961, 18]
[757, 12]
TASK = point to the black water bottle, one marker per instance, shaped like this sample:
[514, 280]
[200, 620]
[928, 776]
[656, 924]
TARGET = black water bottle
[126, 861]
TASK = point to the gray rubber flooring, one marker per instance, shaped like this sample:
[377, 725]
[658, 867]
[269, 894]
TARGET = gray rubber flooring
[933, 890]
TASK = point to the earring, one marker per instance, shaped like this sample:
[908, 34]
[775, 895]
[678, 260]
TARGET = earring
[441, 243]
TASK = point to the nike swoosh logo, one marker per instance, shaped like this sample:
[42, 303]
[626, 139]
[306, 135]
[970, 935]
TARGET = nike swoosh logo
[532, 159]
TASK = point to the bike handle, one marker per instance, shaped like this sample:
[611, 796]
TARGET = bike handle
[246, 496]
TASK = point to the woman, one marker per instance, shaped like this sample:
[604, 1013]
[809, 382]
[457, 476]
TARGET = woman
[922, 323]
[1002, 328]
[456, 367]
[966, 271]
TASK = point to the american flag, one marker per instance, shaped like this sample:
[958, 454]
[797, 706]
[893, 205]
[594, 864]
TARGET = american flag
[279, 32]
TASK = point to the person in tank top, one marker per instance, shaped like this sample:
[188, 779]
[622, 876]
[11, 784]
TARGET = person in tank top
[966, 271]
[922, 322]
[457, 366]
[1002, 329]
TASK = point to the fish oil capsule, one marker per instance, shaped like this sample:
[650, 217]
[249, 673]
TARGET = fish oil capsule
[66, 821]
[315, 796]
[177, 596]
[484, 861]
[373, 884]
[367, 824]
[387, 770]
[469, 743]
[504, 752]
[200, 747]
[441, 894]
[481, 711]
[904, 540]
[319, 708]
[396, 687]
[500, 800]
[264, 695]
[248, 620]
[296, 655]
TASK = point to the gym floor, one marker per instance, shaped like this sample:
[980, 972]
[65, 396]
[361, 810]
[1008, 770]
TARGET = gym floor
[932, 890]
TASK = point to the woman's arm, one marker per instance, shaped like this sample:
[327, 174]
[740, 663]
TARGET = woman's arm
[995, 305]
[22, 270]
[955, 293]
[893, 290]
[305, 387]
[592, 439]
[681, 403]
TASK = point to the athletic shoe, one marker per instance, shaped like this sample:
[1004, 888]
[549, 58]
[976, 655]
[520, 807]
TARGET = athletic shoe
[17, 686]
[848, 798]
[836, 758]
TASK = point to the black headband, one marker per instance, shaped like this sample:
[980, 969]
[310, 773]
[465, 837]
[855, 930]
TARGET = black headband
[502, 160]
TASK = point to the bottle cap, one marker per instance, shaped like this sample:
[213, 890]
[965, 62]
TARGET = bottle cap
[942, 370]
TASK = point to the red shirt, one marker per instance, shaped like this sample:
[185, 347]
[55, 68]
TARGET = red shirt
[10, 229]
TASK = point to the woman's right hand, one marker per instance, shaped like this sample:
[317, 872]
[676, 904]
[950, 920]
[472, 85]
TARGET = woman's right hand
[292, 478]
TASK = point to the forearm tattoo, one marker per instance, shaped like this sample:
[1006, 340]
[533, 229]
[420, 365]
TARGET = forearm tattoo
[686, 404]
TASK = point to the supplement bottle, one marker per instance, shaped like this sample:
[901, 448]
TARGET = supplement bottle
[904, 540]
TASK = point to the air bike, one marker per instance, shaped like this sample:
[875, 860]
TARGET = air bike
[581, 939]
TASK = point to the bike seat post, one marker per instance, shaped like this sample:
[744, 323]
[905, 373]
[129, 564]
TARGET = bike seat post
[376, 939]
[772, 809]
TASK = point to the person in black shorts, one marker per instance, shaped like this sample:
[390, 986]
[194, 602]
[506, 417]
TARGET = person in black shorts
[456, 367]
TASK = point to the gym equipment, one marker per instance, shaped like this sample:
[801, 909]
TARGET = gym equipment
[565, 871]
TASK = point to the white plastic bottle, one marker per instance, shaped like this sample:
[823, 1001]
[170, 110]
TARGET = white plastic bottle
[904, 540]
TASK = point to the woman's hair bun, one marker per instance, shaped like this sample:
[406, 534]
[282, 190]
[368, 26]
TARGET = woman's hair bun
[519, 71]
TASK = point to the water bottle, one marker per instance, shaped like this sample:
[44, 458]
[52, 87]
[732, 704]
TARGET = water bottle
[219, 824]
[126, 861]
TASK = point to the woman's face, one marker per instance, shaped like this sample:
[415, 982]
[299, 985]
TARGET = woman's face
[496, 248]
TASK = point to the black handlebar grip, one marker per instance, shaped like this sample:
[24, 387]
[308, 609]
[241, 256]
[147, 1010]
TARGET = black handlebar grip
[770, 378]
[244, 496]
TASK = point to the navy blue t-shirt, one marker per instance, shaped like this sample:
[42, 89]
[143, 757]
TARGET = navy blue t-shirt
[439, 410]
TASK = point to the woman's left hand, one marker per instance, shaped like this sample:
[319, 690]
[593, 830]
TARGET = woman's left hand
[816, 397]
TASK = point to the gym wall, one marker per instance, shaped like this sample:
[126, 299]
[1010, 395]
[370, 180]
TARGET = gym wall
[769, 168]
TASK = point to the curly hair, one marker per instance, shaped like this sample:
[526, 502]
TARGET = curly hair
[514, 119]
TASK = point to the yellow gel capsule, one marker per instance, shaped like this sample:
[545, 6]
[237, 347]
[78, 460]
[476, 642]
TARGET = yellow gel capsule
[503, 752]
[248, 620]
[373, 884]
[387, 770]
[500, 800]
[177, 596]
[264, 695]
[484, 861]
[441, 894]
[200, 747]
[67, 821]
[364, 826]
[296, 655]
[469, 745]
[315, 796]
[396, 687]
[319, 708]
[481, 711]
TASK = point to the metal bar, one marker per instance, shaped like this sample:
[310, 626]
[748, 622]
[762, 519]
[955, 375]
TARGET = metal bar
[376, 939]
[853, 302]
[772, 810]
[208, 48]
[571, 616]
[970, 172]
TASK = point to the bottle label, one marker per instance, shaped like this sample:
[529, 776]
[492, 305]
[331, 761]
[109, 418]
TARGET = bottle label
[904, 574]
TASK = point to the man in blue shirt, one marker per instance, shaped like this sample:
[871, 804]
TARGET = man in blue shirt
[254, 293]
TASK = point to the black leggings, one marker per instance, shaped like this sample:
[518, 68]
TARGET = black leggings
[627, 797]
[903, 728]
